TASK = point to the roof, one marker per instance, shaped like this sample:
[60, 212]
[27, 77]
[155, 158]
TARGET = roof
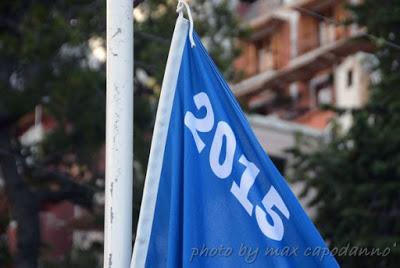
[284, 126]
[317, 119]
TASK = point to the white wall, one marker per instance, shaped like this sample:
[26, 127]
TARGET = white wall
[276, 136]
[354, 95]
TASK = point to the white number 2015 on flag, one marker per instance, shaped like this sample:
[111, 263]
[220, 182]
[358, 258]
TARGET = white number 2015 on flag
[223, 170]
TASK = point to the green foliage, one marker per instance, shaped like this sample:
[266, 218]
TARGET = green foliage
[357, 174]
[214, 22]
[44, 54]
[46, 59]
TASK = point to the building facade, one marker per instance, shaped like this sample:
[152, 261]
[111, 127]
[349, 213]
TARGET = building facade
[300, 56]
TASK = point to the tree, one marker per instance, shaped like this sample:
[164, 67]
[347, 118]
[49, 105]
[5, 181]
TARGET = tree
[44, 62]
[47, 59]
[356, 175]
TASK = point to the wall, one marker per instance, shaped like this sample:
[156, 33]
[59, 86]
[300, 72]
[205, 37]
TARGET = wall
[307, 34]
[281, 47]
[356, 94]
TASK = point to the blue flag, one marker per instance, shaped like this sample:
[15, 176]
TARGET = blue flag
[212, 196]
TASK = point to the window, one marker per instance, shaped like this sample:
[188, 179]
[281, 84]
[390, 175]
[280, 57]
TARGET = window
[325, 96]
[261, 58]
[326, 33]
[264, 55]
[349, 78]
[327, 29]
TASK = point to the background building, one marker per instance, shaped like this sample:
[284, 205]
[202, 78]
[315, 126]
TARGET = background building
[300, 56]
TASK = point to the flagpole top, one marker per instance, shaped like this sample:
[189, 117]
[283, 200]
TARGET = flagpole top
[182, 4]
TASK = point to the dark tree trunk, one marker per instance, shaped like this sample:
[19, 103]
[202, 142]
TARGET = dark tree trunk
[24, 206]
[25, 203]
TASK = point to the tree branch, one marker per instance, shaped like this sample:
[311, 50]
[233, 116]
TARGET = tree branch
[69, 190]
[137, 2]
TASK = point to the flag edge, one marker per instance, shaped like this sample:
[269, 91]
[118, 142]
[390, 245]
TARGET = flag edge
[159, 140]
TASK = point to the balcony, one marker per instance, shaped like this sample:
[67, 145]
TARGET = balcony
[305, 66]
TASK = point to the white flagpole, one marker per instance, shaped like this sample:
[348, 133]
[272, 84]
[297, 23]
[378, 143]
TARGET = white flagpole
[119, 135]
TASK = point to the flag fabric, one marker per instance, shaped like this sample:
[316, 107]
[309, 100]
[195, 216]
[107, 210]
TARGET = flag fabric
[212, 196]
